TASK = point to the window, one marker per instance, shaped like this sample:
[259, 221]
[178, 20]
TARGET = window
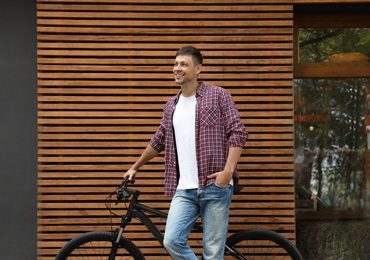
[332, 115]
[331, 146]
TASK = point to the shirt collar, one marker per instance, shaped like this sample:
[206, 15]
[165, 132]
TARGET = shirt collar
[198, 94]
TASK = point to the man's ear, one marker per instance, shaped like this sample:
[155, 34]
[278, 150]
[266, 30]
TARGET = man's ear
[199, 68]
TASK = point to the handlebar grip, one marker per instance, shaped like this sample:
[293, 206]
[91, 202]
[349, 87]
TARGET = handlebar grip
[125, 181]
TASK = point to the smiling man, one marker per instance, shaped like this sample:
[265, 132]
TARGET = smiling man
[202, 136]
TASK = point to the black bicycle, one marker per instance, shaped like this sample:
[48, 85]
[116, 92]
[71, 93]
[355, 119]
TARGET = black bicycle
[250, 244]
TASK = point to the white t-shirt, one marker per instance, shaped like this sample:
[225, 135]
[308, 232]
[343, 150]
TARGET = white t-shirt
[184, 126]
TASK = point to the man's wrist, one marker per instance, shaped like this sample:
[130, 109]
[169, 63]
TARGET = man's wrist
[228, 172]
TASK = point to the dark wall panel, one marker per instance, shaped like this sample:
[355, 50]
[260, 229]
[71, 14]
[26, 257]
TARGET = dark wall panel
[18, 130]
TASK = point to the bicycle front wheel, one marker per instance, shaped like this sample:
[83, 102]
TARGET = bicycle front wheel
[98, 245]
[258, 244]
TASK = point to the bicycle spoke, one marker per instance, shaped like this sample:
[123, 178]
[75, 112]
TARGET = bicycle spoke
[261, 244]
[98, 246]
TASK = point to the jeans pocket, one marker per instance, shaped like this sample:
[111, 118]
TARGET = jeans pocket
[221, 194]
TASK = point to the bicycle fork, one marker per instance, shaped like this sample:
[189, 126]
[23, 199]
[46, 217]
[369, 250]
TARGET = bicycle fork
[116, 243]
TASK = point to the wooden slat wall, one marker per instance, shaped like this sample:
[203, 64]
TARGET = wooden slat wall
[105, 73]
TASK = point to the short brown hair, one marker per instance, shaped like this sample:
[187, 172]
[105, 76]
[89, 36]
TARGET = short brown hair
[194, 52]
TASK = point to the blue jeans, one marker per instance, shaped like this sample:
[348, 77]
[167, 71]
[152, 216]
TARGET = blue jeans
[212, 204]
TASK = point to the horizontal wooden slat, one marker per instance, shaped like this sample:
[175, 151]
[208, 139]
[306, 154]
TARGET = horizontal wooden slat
[145, 114]
[144, 174]
[162, 84]
[156, 53]
[145, 36]
[115, 17]
[153, 99]
[115, 167]
[162, 23]
[211, 7]
[133, 152]
[199, 2]
[158, 46]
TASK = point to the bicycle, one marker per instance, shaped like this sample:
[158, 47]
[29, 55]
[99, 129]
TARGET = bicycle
[249, 244]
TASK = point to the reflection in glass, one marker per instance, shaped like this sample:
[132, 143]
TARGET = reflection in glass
[318, 45]
[331, 144]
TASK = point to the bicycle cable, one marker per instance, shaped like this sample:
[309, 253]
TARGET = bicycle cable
[108, 205]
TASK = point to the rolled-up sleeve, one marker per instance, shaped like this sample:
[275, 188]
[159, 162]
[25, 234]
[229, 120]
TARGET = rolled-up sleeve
[235, 129]
[158, 140]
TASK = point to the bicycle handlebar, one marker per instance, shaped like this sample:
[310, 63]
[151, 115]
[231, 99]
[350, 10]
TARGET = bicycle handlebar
[124, 193]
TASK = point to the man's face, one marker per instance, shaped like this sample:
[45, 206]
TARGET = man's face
[185, 71]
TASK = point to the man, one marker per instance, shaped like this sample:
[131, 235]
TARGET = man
[202, 135]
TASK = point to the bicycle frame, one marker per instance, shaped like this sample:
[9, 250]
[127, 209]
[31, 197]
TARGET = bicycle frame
[137, 210]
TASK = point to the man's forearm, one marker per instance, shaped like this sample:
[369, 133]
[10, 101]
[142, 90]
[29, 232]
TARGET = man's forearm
[148, 154]
[233, 158]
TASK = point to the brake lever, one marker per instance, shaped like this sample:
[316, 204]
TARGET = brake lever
[125, 181]
[122, 193]
[119, 196]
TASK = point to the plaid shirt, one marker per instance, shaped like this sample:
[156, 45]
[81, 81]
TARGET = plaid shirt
[217, 127]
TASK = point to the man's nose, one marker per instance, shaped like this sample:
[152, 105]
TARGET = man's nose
[176, 67]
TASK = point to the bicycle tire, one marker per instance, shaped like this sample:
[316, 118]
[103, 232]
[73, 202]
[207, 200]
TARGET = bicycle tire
[97, 245]
[256, 244]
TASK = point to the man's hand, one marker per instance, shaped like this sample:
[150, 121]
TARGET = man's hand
[222, 178]
[130, 174]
